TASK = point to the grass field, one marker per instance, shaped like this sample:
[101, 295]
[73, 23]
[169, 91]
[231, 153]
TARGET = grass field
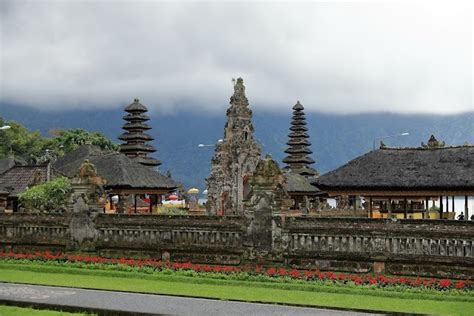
[367, 299]
[16, 311]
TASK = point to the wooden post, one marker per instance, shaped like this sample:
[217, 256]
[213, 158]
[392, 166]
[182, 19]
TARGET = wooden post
[466, 208]
[447, 204]
[150, 210]
[111, 203]
[389, 208]
[411, 209]
[371, 214]
[427, 209]
[440, 207]
[405, 210]
[453, 204]
[135, 202]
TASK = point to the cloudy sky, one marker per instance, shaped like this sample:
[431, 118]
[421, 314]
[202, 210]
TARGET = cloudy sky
[341, 57]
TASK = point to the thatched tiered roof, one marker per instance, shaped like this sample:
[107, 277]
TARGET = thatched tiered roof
[298, 159]
[135, 139]
[430, 168]
[118, 170]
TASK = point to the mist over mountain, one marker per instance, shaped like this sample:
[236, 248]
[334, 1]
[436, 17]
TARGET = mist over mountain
[336, 139]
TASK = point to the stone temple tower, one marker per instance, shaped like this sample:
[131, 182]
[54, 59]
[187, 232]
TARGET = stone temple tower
[235, 158]
[135, 138]
[298, 159]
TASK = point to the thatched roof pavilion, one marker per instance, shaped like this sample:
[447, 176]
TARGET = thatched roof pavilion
[428, 172]
[123, 176]
[120, 172]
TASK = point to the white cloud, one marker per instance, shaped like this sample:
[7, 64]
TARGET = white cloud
[334, 57]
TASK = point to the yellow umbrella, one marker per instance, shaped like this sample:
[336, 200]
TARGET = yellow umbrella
[193, 191]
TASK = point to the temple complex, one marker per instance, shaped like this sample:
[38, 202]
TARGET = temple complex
[124, 178]
[298, 159]
[135, 139]
[235, 158]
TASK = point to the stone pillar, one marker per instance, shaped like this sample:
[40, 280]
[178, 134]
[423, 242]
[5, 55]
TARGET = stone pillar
[122, 207]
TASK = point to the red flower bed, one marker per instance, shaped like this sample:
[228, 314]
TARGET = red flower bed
[340, 278]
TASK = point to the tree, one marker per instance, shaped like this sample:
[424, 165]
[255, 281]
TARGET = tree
[34, 148]
[47, 196]
[70, 139]
[21, 142]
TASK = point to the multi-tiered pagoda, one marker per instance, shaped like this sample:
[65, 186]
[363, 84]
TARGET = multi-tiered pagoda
[135, 138]
[298, 159]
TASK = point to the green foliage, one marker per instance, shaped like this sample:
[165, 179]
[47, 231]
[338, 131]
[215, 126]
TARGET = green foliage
[32, 147]
[70, 139]
[15, 311]
[21, 142]
[47, 196]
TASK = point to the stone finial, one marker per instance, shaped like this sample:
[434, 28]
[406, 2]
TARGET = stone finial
[239, 88]
[87, 170]
[433, 143]
[136, 100]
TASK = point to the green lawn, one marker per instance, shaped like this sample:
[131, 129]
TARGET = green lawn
[16, 311]
[377, 299]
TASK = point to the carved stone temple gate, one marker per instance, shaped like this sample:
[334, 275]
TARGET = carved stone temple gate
[419, 247]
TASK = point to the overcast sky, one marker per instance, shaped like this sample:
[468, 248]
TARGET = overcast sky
[340, 57]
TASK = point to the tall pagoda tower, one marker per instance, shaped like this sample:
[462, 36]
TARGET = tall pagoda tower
[298, 159]
[235, 158]
[135, 138]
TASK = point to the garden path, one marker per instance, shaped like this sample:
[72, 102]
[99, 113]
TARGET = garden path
[148, 303]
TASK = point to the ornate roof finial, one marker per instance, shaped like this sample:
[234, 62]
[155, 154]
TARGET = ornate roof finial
[136, 100]
[433, 143]
[239, 88]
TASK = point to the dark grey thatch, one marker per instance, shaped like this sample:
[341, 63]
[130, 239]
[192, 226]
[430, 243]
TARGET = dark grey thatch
[135, 138]
[69, 164]
[19, 178]
[136, 106]
[8, 163]
[118, 170]
[298, 159]
[299, 184]
[405, 169]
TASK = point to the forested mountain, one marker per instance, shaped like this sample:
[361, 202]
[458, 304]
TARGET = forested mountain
[335, 138]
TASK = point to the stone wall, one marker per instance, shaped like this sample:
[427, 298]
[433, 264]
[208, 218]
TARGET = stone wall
[416, 247]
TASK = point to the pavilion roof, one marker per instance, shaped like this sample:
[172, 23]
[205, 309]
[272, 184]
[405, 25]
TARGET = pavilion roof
[299, 183]
[18, 178]
[118, 170]
[405, 169]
